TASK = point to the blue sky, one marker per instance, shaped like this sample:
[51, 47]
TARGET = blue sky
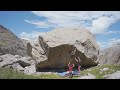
[14, 20]
[29, 24]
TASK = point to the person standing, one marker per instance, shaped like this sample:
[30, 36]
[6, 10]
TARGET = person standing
[79, 68]
[70, 69]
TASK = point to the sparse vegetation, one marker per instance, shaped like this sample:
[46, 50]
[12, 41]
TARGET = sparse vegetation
[97, 70]
[7, 73]
[51, 76]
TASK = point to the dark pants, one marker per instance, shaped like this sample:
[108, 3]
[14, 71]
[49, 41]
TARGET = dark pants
[70, 74]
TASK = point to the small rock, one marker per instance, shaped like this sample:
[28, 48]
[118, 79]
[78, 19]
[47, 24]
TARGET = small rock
[115, 75]
[17, 56]
[30, 69]
[103, 70]
[88, 76]
[17, 67]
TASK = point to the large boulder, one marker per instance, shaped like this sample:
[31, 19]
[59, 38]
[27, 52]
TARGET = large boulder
[10, 43]
[57, 48]
[110, 55]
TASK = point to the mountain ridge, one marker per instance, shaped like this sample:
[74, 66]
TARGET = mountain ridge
[10, 43]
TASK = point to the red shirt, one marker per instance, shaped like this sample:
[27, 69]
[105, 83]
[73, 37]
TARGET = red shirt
[70, 68]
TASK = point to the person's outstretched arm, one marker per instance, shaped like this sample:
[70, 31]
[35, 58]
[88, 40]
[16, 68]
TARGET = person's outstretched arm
[68, 64]
[73, 65]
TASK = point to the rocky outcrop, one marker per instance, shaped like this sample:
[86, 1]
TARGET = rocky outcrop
[57, 48]
[110, 55]
[10, 43]
[115, 75]
[25, 42]
[18, 63]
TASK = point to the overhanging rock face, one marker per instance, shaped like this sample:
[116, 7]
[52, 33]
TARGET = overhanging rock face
[61, 46]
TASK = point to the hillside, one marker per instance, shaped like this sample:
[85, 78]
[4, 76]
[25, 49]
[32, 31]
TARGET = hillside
[10, 43]
[110, 55]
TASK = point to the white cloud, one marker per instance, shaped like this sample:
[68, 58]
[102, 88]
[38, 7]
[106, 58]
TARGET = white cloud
[113, 41]
[33, 36]
[113, 32]
[38, 23]
[97, 21]
[109, 43]
[100, 25]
